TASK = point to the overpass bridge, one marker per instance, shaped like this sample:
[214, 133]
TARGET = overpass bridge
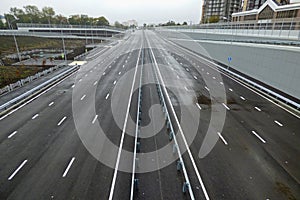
[65, 31]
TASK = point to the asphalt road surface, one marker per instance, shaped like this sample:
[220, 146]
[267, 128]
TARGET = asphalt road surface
[235, 144]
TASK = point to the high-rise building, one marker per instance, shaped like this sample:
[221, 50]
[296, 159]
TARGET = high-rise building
[219, 10]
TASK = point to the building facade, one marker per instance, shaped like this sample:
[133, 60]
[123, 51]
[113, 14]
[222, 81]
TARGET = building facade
[269, 11]
[256, 4]
[219, 10]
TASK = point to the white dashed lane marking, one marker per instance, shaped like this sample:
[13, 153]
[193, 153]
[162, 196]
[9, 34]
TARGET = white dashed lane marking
[12, 134]
[35, 116]
[258, 136]
[61, 121]
[68, 167]
[225, 106]
[222, 138]
[83, 97]
[278, 123]
[17, 170]
[257, 108]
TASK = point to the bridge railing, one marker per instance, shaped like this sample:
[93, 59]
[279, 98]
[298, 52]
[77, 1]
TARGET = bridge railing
[69, 26]
[288, 28]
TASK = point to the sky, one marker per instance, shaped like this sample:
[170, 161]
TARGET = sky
[143, 11]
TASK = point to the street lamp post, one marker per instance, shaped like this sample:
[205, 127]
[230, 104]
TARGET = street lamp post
[63, 41]
[17, 47]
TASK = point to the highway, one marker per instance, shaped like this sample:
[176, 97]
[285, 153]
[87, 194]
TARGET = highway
[229, 142]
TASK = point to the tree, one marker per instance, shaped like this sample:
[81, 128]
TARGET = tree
[2, 25]
[47, 14]
[184, 23]
[60, 19]
[118, 24]
[213, 19]
[33, 13]
[10, 21]
[101, 21]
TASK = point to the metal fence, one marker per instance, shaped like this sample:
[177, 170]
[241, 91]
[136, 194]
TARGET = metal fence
[286, 28]
[67, 26]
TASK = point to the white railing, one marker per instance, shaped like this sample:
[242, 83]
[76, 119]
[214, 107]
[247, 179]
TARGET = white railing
[282, 28]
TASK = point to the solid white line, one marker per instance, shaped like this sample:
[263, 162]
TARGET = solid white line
[95, 82]
[115, 82]
[231, 90]
[278, 123]
[198, 106]
[181, 132]
[123, 131]
[95, 118]
[107, 96]
[17, 170]
[61, 121]
[225, 106]
[260, 138]
[195, 77]
[11, 135]
[257, 108]
[68, 168]
[83, 97]
[35, 116]
[222, 138]
[206, 88]
[50, 104]
[243, 98]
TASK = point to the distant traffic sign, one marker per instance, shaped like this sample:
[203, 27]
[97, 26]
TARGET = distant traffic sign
[229, 59]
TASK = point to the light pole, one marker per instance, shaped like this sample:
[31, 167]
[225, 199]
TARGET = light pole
[10, 26]
[63, 41]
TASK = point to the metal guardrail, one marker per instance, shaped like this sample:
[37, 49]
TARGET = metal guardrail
[66, 26]
[268, 91]
[32, 91]
[21, 82]
[51, 35]
[285, 28]
[278, 24]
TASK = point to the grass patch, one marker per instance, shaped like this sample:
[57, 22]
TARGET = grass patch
[11, 74]
[7, 44]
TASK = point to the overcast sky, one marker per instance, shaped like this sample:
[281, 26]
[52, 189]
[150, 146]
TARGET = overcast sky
[144, 11]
